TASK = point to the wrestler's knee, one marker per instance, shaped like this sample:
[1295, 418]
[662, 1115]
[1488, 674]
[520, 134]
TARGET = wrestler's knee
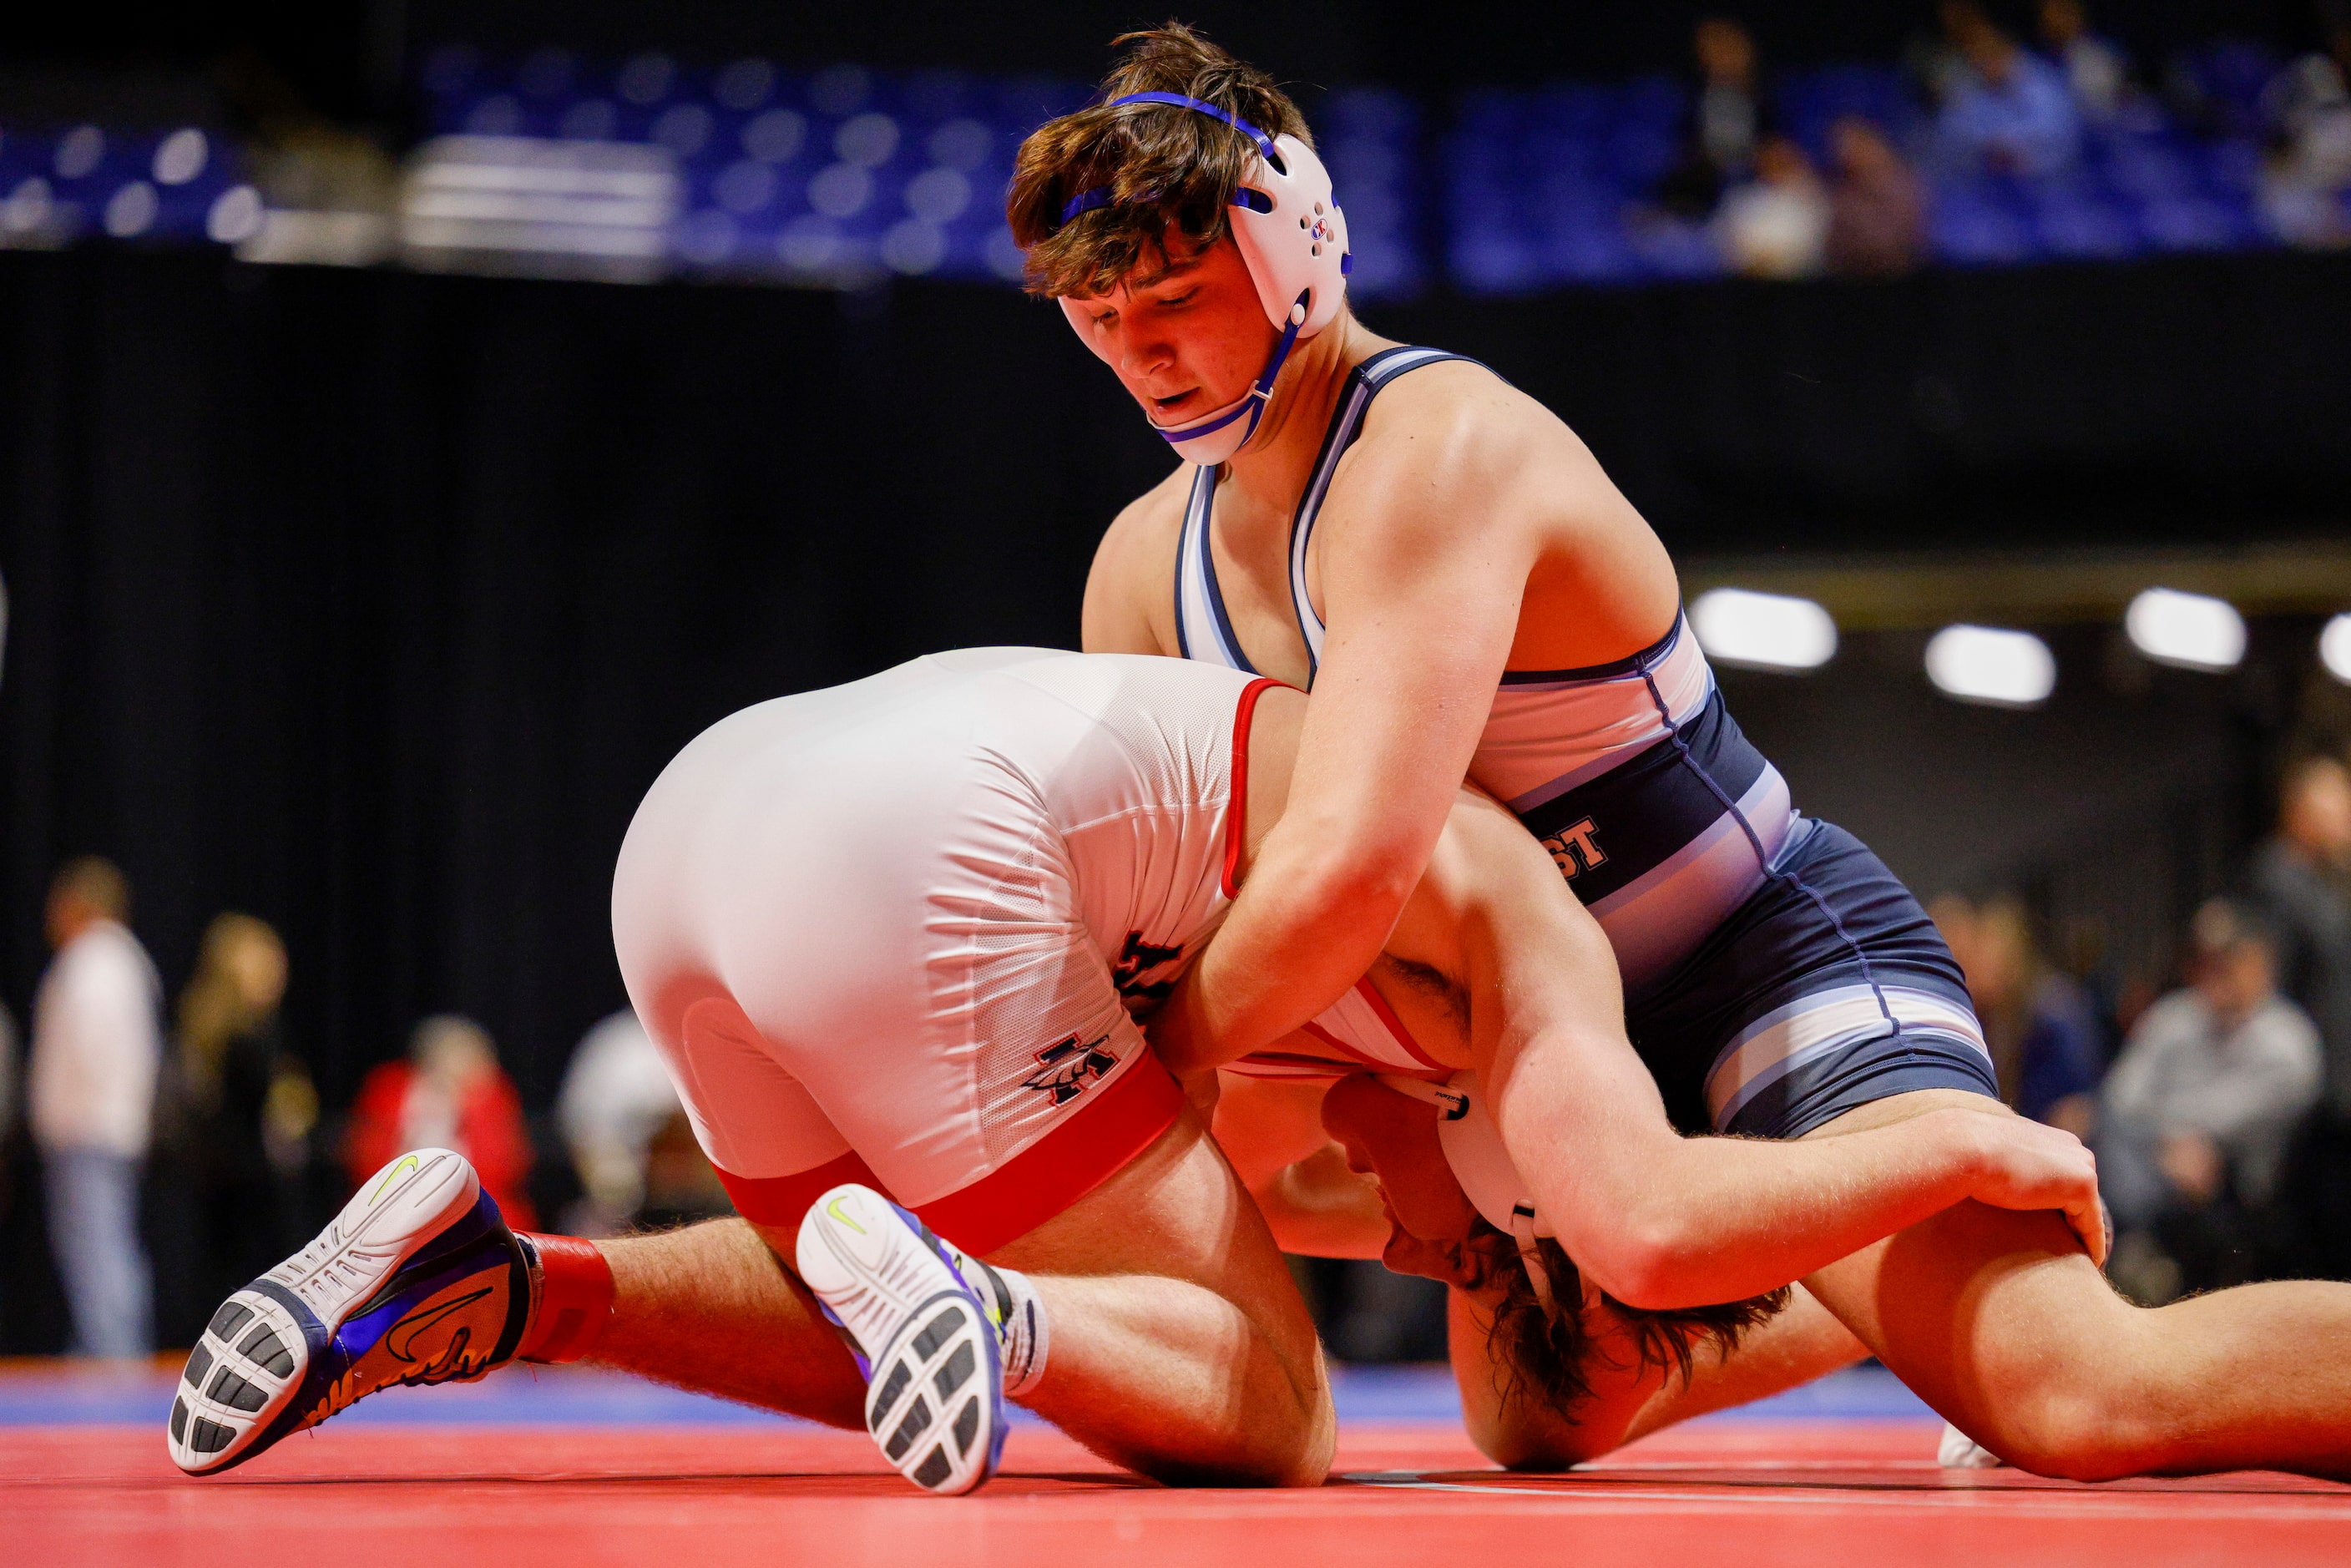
[1287, 1443]
[2085, 1415]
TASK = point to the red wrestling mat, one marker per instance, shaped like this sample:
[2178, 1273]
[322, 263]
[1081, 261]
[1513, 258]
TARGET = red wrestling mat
[1823, 1494]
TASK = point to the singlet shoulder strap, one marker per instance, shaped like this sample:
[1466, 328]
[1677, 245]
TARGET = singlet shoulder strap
[1363, 384]
[1203, 630]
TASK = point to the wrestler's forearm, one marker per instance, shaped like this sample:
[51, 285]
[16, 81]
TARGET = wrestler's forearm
[1685, 1222]
[1297, 937]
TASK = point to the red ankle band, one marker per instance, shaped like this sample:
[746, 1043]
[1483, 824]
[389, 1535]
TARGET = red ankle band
[575, 1298]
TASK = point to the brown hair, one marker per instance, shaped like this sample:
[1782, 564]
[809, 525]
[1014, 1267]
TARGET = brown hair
[1163, 166]
[1545, 1352]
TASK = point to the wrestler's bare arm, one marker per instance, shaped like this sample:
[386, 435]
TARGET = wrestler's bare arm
[1272, 1132]
[1422, 593]
[1656, 1219]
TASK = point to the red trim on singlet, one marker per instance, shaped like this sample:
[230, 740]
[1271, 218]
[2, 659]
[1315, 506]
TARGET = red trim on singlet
[1236, 814]
[1094, 1144]
[1370, 994]
[1341, 1047]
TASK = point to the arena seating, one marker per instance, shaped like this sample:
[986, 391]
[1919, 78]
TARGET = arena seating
[844, 174]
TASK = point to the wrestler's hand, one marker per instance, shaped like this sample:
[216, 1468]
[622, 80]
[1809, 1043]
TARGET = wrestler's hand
[2022, 1165]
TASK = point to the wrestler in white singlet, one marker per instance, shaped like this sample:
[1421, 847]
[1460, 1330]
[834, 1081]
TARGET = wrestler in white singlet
[884, 931]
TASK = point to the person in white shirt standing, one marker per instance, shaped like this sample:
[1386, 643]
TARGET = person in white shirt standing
[90, 1096]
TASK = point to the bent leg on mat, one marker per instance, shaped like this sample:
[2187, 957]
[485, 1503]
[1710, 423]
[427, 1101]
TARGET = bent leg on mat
[2000, 1321]
[1180, 1346]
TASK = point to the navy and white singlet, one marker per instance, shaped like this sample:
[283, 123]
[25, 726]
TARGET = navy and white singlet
[1776, 973]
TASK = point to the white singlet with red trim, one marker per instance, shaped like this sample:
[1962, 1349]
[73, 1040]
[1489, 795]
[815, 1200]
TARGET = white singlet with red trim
[1359, 1033]
[909, 917]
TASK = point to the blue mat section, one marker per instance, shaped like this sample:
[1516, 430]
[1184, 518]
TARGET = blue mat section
[67, 1395]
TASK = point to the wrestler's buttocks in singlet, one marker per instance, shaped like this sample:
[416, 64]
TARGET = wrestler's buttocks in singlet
[893, 931]
[1776, 973]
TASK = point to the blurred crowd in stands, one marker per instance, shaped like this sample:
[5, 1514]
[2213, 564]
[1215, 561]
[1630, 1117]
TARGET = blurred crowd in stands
[178, 1159]
[2220, 1111]
[2014, 130]
[2040, 122]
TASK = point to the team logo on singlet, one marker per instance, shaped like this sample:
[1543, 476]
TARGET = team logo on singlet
[1063, 1070]
[1574, 849]
[1131, 973]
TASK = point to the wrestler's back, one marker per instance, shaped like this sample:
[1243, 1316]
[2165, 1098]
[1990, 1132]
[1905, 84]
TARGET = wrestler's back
[1093, 787]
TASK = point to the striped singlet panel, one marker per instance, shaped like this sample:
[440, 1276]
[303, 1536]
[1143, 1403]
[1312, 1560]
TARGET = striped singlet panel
[1633, 775]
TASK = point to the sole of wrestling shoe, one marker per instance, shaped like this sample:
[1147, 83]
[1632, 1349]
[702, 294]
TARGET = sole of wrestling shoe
[270, 1362]
[935, 1376]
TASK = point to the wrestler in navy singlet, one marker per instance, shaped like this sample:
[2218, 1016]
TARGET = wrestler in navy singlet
[1776, 973]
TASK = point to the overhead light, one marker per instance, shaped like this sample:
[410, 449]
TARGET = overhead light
[1764, 630]
[2334, 648]
[1992, 664]
[2192, 631]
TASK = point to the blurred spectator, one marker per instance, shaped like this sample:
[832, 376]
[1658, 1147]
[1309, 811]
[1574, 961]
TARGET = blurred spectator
[1729, 119]
[2097, 73]
[2307, 113]
[2040, 1026]
[1777, 225]
[2199, 1105]
[245, 1106]
[2005, 110]
[1878, 208]
[91, 1094]
[2297, 884]
[616, 1096]
[449, 1094]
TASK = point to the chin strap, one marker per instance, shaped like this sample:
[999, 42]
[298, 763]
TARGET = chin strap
[1450, 1102]
[1522, 1229]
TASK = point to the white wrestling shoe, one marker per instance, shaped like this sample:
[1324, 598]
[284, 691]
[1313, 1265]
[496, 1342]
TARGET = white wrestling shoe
[417, 1280]
[923, 1338]
[1961, 1452]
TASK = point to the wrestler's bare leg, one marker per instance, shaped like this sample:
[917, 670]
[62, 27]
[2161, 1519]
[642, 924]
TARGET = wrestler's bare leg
[711, 1308]
[1180, 1347]
[1997, 1320]
[1629, 1401]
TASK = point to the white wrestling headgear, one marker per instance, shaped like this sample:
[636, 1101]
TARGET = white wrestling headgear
[1293, 241]
[1489, 1177]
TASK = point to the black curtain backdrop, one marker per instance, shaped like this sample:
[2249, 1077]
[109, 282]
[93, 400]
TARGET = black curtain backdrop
[372, 603]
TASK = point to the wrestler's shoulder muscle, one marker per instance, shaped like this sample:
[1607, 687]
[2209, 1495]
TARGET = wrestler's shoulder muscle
[1130, 594]
[1443, 457]
[1451, 457]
